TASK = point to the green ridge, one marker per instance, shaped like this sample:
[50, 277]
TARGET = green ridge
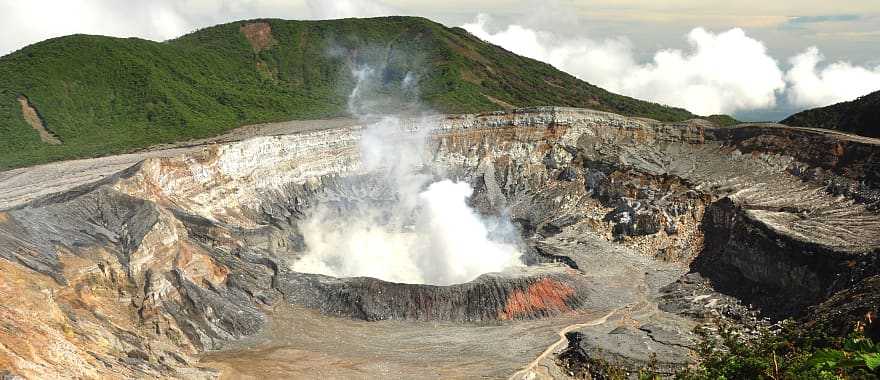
[103, 95]
[860, 116]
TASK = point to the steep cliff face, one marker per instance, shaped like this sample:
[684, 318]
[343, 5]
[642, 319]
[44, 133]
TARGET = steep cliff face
[748, 254]
[136, 274]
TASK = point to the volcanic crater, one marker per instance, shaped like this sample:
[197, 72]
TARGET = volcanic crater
[628, 233]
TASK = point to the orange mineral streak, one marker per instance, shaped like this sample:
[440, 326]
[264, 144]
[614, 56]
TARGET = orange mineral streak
[35, 339]
[555, 132]
[199, 267]
[544, 295]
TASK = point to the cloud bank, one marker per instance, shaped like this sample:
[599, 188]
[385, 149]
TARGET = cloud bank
[323, 9]
[26, 22]
[722, 72]
[811, 86]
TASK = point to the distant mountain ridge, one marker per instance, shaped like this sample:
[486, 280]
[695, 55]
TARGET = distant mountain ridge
[83, 96]
[860, 116]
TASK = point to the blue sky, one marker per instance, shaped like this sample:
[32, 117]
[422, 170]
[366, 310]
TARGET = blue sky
[758, 60]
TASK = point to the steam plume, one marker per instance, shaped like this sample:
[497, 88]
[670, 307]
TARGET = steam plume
[428, 234]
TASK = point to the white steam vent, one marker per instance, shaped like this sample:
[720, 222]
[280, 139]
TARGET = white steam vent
[448, 244]
[429, 235]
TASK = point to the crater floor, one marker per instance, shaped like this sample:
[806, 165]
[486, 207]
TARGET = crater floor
[305, 344]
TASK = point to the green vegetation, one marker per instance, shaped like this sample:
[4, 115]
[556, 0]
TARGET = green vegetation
[860, 116]
[723, 120]
[792, 353]
[859, 356]
[104, 95]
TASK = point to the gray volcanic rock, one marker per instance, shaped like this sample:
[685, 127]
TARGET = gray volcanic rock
[845, 309]
[138, 274]
[489, 297]
[590, 353]
[790, 274]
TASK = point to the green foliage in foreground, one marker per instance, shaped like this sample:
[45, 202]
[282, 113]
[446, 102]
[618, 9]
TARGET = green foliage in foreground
[791, 353]
[103, 95]
[859, 354]
[794, 352]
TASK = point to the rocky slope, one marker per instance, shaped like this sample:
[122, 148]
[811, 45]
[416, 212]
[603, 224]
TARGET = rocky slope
[140, 273]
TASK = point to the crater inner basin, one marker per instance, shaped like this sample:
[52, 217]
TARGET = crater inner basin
[441, 240]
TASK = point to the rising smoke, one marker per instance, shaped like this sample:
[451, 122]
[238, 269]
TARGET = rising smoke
[428, 234]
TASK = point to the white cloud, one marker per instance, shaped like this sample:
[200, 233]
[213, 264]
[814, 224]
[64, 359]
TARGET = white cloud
[725, 72]
[720, 73]
[324, 9]
[810, 86]
[27, 22]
